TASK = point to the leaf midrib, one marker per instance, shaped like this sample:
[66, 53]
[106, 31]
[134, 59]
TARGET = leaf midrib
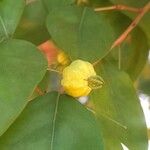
[82, 18]
[54, 121]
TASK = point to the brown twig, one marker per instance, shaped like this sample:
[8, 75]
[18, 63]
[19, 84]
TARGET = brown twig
[142, 12]
[123, 36]
[119, 7]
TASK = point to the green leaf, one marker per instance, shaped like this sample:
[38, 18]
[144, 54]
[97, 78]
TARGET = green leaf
[110, 131]
[118, 105]
[144, 86]
[51, 4]
[10, 13]
[32, 26]
[53, 122]
[80, 32]
[22, 67]
[145, 22]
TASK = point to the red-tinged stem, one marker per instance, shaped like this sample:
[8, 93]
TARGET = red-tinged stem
[123, 36]
[118, 7]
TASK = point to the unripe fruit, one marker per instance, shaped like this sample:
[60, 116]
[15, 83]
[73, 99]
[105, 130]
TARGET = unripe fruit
[76, 77]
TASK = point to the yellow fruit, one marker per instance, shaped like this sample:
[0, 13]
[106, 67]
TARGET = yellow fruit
[75, 78]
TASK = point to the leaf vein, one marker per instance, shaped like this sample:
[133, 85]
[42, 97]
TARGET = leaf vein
[54, 121]
[82, 19]
[4, 27]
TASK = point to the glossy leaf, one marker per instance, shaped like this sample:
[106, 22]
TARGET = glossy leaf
[53, 122]
[22, 67]
[32, 26]
[10, 13]
[80, 32]
[118, 105]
